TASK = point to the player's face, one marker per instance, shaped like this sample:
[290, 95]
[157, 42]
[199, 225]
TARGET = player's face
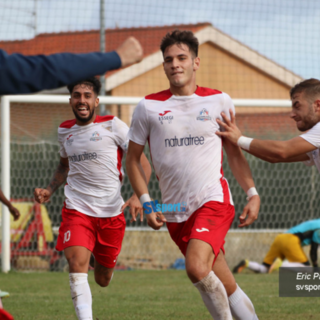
[304, 112]
[84, 102]
[180, 65]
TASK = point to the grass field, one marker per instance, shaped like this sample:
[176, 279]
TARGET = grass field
[143, 295]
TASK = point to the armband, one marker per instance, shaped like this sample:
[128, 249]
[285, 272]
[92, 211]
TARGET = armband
[145, 198]
[244, 142]
[252, 192]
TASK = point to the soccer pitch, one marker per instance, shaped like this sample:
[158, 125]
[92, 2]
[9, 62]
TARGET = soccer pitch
[143, 295]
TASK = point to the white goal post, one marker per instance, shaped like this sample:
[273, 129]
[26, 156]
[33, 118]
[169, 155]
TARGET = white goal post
[109, 100]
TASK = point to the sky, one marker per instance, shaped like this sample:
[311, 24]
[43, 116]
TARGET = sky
[285, 31]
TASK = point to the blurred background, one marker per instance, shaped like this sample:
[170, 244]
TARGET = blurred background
[251, 49]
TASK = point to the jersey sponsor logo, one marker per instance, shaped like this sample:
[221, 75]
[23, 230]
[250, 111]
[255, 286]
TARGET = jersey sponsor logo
[202, 230]
[95, 136]
[164, 113]
[163, 117]
[204, 115]
[83, 157]
[186, 141]
[69, 140]
[67, 236]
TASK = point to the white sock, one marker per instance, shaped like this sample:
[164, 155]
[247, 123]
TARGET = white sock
[241, 306]
[81, 295]
[293, 264]
[257, 267]
[214, 297]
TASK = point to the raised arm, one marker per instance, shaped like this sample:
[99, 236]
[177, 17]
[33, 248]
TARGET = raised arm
[292, 150]
[59, 177]
[241, 171]
[21, 74]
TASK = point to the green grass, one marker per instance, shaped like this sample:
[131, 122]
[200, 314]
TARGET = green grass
[143, 295]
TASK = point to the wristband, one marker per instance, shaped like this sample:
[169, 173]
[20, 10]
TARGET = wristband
[244, 142]
[145, 198]
[252, 192]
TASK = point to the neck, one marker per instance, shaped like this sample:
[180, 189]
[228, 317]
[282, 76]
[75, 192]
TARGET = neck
[187, 90]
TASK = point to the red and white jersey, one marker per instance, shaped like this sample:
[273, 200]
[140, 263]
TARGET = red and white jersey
[95, 176]
[185, 150]
[313, 137]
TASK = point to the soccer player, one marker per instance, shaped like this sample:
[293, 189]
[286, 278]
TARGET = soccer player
[288, 246]
[26, 74]
[180, 124]
[91, 149]
[305, 97]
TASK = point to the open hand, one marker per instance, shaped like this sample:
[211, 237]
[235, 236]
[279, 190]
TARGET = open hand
[231, 131]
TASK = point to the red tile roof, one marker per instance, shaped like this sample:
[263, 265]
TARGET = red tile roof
[87, 41]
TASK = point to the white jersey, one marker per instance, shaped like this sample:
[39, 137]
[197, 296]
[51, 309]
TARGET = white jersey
[313, 137]
[95, 176]
[185, 150]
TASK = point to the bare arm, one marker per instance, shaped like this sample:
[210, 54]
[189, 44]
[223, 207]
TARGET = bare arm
[14, 211]
[145, 167]
[134, 169]
[292, 150]
[134, 202]
[241, 171]
[59, 177]
[138, 181]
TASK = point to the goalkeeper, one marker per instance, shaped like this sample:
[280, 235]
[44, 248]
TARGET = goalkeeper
[288, 246]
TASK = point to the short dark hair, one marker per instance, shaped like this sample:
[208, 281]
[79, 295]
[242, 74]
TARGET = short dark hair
[311, 88]
[179, 37]
[91, 82]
